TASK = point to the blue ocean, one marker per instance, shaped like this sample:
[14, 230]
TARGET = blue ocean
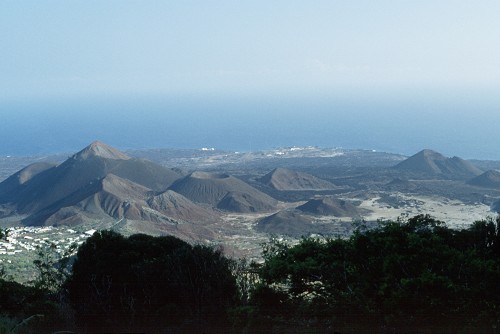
[455, 125]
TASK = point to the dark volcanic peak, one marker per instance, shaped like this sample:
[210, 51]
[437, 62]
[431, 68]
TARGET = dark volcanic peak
[296, 224]
[427, 161]
[42, 186]
[211, 188]
[329, 206]
[489, 179]
[285, 179]
[115, 198]
[99, 149]
[433, 163]
[245, 203]
[288, 222]
[110, 196]
[177, 206]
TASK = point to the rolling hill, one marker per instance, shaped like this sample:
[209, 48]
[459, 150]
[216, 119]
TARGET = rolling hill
[432, 163]
[329, 206]
[296, 224]
[288, 180]
[288, 222]
[223, 191]
[177, 206]
[489, 179]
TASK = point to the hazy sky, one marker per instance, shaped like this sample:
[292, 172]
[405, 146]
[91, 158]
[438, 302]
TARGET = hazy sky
[75, 48]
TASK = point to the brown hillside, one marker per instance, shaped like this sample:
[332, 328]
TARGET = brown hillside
[329, 206]
[99, 149]
[211, 188]
[177, 206]
[296, 224]
[111, 196]
[245, 203]
[78, 172]
[118, 198]
[433, 163]
[489, 179]
[288, 222]
[286, 180]
[114, 198]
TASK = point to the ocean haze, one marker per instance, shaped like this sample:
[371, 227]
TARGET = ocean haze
[454, 124]
[396, 76]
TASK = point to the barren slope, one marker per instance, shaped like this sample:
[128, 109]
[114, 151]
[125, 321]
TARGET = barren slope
[435, 164]
[329, 206]
[177, 206]
[286, 179]
[211, 188]
[489, 179]
[93, 163]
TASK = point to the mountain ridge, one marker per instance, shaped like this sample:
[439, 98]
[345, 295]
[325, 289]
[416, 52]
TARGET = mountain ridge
[212, 188]
[430, 162]
[98, 181]
[489, 179]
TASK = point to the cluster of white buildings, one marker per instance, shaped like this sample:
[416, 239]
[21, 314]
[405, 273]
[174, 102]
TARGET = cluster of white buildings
[30, 239]
[307, 151]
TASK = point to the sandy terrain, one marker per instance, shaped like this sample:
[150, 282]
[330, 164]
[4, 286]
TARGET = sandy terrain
[455, 213]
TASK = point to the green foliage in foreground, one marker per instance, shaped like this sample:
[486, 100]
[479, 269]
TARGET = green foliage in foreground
[408, 276]
[145, 283]
[25, 309]
[404, 276]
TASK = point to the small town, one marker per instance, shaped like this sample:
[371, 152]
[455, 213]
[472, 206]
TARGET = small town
[21, 245]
